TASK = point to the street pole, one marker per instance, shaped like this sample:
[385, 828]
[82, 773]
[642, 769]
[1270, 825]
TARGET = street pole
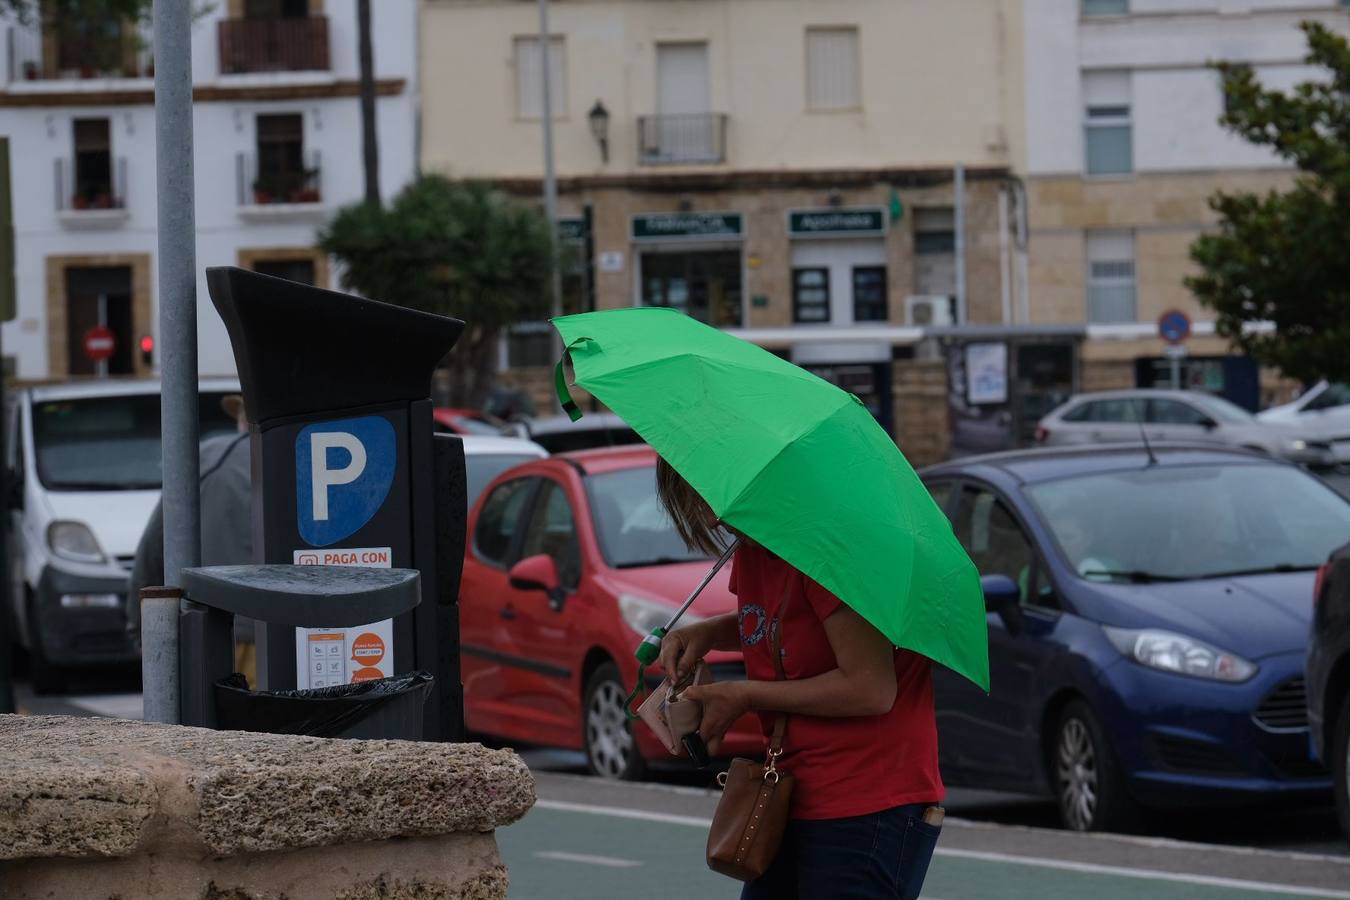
[370, 148]
[178, 330]
[7, 302]
[550, 182]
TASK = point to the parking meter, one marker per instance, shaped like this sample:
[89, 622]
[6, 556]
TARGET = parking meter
[347, 472]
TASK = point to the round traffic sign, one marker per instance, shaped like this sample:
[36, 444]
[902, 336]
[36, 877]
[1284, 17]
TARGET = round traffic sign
[1174, 326]
[99, 343]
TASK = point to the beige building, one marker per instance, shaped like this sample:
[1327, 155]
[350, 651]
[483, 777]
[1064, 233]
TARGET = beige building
[1124, 148]
[784, 169]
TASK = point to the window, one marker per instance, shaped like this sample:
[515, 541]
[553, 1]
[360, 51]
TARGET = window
[832, 71]
[810, 295]
[298, 270]
[93, 186]
[553, 533]
[935, 251]
[281, 159]
[1122, 409]
[496, 529]
[1106, 7]
[1335, 395]
[529, 89]
[1174, 412]
[1107, 133]
[993, 538]
[276, 9]
[1111, 288]
[869, 294]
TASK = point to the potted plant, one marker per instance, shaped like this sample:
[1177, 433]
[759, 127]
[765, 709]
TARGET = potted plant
[102, 201]
[79, 201]
[30, 70]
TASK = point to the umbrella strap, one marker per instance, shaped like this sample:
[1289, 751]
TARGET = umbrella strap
[635, 695]
[565, 400]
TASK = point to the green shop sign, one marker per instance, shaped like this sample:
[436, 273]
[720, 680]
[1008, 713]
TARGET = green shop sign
[663, 226]
[572, 229]
[858, 222]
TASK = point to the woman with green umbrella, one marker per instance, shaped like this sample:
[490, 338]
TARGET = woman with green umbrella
[844, 564]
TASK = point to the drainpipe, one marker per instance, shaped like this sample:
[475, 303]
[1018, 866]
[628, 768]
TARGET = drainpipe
[959, 227]
[1004, 280]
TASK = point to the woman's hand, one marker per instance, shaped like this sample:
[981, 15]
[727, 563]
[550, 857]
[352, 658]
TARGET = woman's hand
[682, 649]
[723, 703]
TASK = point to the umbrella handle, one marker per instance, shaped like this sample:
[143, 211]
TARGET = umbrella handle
[565, 400]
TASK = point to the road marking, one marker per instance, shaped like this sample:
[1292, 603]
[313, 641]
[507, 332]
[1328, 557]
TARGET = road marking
[1149, 874]
[1041, 862]
[610, 862]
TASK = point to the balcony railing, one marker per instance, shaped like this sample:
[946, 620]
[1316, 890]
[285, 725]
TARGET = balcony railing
[682, 139]
[273, 188]
[52, 53]
[83, 191]
[273, 45]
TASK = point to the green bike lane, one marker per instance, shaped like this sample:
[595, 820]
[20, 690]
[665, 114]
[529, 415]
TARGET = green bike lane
[595, 841]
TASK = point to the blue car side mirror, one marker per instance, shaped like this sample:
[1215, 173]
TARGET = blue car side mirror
[1000, 591]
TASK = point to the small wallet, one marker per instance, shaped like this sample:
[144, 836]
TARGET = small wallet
[671, 718]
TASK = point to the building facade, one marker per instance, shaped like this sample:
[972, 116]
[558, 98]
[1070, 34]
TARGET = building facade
[785, 170]
[1124, 148]
[277, 139]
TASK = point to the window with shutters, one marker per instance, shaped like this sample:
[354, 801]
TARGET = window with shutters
[529, 82]
[1111, 285]
[1108, 132]
[833, 74]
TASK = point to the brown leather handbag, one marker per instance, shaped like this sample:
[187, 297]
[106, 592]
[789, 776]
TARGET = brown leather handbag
[748, 826]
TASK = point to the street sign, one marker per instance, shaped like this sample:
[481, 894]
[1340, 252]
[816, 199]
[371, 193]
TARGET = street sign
[1174, 326]
[99, 343]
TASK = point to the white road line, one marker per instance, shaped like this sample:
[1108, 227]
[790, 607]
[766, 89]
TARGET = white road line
[1042, 862]
[1148, 874]
[610, 862]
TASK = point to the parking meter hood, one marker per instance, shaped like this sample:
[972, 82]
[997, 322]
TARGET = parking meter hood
[329, 350]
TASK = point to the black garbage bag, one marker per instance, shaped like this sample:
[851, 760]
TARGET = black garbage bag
[385, 708]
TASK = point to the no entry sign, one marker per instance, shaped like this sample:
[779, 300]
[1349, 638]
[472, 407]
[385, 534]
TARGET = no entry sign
[99, 343]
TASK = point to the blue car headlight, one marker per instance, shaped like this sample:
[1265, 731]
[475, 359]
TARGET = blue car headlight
[1172, 652]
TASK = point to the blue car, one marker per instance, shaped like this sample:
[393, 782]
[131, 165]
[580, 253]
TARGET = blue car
[1149, 614]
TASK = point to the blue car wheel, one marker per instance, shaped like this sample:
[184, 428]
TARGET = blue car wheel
[1089, 784]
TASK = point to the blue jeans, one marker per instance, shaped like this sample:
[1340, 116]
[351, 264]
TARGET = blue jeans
[881, 856]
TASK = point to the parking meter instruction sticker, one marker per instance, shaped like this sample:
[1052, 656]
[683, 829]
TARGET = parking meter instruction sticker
[327, 657]
[343, 472]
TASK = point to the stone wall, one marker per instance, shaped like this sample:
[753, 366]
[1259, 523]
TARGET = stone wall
[104, 809]
[922, 428]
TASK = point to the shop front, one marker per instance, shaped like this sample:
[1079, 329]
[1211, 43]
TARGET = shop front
[693, 262]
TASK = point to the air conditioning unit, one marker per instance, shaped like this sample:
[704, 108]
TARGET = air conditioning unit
[929, 310]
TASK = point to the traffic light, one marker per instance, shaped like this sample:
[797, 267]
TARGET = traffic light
[148, 351]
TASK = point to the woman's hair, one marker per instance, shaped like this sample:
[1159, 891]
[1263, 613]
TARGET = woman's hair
[693, 517]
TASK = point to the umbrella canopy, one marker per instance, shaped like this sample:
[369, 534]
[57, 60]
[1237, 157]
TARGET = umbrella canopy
[794, 463]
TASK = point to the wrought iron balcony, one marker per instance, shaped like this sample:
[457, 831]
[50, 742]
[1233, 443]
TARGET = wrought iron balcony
[90, 188]
[273, 45]
[56, 53]
[689, 139]
[258, 188]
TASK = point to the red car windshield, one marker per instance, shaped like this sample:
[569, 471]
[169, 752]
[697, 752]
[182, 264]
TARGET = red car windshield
[632, 527]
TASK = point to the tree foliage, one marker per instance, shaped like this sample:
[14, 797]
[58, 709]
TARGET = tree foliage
[461, 249]
[1284, 258]
[30, 11]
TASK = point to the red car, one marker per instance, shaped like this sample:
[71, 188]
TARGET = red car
[571, 562]
[466, 421]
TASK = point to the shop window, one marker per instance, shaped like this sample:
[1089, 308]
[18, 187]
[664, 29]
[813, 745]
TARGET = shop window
[704, 284]
[1108, 133]
[529, 80]
[810, 295]
[869, 294]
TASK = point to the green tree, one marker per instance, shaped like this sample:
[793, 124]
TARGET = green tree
[461, 249]
[1284, 257]
[29, 11]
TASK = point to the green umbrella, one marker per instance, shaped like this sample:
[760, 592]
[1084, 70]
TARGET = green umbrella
[793, 462]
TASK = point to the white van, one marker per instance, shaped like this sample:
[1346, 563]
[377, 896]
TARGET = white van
[84, 476]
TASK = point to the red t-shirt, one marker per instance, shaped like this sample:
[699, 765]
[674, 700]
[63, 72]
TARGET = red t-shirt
[844, 766]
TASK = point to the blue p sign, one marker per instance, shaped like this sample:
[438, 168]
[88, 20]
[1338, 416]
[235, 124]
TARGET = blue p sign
[343, 472]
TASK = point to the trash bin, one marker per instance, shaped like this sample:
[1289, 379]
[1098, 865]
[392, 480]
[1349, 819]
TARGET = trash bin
[384, 708]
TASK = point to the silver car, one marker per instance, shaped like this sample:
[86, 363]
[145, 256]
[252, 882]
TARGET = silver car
[1184, 416]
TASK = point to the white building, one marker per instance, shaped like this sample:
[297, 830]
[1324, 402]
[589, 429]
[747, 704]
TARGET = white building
[1124, 148]
[277, 138]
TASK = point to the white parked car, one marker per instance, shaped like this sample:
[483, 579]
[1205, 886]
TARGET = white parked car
[486, 457]
[84, 474]
[1323, 410]
[1180, 416]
